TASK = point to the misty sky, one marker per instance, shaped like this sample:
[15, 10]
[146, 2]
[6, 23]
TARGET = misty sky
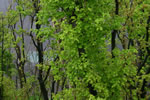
[3, 5]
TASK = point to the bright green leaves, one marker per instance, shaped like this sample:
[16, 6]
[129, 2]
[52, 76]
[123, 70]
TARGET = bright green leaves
[12, 17]
[81, 25]
[80, 31]
[25, 7]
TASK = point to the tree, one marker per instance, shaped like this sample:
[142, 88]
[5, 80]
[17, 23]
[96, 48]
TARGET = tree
[84, 28]
[91, 50]
[6, 63]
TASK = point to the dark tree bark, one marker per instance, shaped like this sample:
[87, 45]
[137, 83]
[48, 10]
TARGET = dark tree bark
[143, 90]
[41, 60]
[19, 62]
[20, 53]
[114, 32]
[53, 87]
[2, 63]
[39, 46]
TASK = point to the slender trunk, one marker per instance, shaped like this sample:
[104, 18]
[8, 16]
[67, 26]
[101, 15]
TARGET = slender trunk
[114, 32]
[20, 64]
[57, 86]
[20, 52]
[113, 41]
[143, 94]
[39, 46]
[63, 83]
[40, 76]
[21, 75]
[41, 82]
[53, 87]
[16, 82]
[2, 63]
[143, 90]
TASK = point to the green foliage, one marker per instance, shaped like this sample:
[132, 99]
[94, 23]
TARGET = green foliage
[86, 25]
[79, 33]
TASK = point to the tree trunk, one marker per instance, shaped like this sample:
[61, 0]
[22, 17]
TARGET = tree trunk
[114, 32]
[40, 76]
[2, 63]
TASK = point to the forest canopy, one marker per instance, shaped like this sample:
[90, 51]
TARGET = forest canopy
[75, 50]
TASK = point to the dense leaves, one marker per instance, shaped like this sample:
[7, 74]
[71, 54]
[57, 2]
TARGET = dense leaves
[84, 50]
